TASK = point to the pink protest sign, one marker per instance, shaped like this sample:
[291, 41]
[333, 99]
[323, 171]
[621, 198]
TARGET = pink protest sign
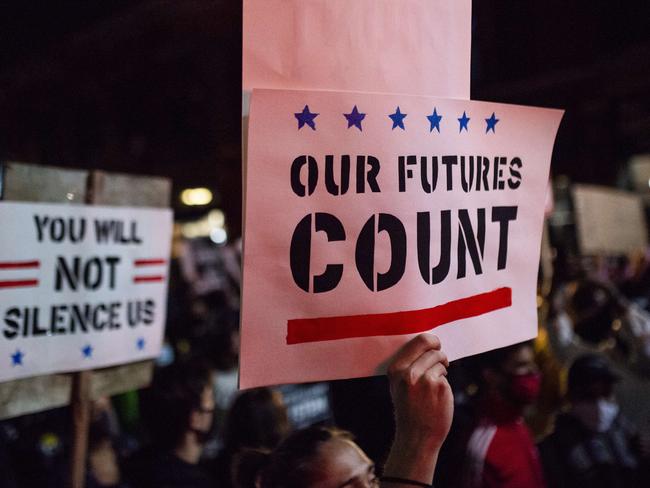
[411, 46]
[371, 218]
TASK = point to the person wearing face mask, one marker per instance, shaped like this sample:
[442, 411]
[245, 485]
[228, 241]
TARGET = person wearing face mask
[593, 444]
[179, 410]
[499, 450]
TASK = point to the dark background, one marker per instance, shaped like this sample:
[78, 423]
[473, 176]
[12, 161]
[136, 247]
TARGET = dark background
[153, 87]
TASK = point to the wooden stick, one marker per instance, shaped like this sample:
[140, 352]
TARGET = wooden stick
[80, 403]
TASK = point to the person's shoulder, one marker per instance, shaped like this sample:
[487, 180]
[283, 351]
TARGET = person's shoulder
[621, 422]
[140, 467]
[168, 471]
[567, 431]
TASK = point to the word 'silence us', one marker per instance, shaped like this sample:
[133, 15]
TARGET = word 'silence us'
[463, 174]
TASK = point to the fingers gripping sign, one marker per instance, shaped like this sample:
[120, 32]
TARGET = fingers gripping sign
[421, 394]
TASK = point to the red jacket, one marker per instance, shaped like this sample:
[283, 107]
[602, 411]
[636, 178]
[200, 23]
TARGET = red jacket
[501, 452]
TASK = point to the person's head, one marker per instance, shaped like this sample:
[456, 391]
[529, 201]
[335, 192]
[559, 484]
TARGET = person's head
[511, 373]
[594, 309]
[591, 392]
[181, 404]
[257, 419]
[315, 457]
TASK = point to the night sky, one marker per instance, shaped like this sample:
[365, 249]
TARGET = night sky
[153, 87]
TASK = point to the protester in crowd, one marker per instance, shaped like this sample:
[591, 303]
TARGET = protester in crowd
[180, 411]
[103, 463]
[256, 420]
[221, 346]
[593, 444]
[496, 445]
[321, 457]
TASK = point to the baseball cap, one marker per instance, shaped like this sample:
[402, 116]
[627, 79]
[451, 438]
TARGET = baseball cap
[589, 368]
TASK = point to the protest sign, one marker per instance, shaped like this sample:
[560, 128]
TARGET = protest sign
[365, 45]
[81, 287]
[373, 217]
[609, 221]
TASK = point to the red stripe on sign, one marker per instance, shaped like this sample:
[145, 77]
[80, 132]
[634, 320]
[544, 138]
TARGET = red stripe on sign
[18, 283]
[149, 262]
[396, 323]
[19, 264]
[147, 279]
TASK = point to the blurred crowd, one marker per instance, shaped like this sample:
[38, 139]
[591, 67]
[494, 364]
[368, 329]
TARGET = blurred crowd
[571, 408]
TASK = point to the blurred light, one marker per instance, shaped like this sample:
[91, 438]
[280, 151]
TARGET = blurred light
[190, 230]
[649, 183]
[211, 225]
[218, 235]
[216, 218]
[183, 346]
[166, 356]
[196, 196]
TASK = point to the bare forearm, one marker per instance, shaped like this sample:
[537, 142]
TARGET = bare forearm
[411, 458]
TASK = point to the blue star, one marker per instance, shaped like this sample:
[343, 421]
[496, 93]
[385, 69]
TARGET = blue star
[355, 118]
[17, 358]
[463, 122]
[87, 350]
[398, 119]
[306, 117]
[434, 119]
[491, 123]
[140, 343]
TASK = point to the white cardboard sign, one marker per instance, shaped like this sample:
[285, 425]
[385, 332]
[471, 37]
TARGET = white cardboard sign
[81, 287]
[609, 221]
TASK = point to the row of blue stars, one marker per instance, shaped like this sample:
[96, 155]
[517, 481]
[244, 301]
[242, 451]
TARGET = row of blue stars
[354, 118]
[86, 352]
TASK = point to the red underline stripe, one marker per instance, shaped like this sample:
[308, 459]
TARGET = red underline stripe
[147, 279]
[19, 264]
[396, 323]
[149, 262]
[18, 283]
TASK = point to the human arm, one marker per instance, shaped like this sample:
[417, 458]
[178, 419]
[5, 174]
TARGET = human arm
[424, 407]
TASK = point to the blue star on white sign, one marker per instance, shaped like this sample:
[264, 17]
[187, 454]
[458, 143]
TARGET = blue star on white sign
[87, 351]
[17, 358]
